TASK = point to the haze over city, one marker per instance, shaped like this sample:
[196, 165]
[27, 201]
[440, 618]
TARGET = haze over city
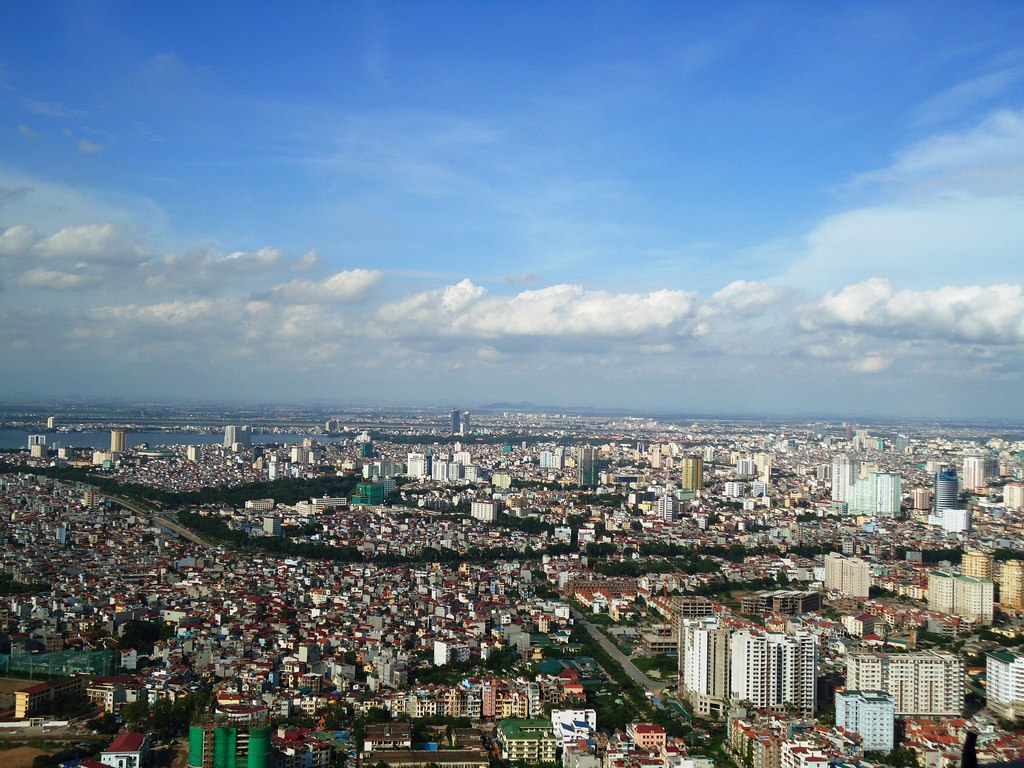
[770, 208]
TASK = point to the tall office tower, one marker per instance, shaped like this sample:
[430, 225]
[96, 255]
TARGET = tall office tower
[924, 684]
[961, 596]
[117, 441]
[417, 465]
[850, 576]
[1011, 584]
[947, 489]
[879, 495]
[1004, 683]
[772, 669]
[844, 472]
[464, 428]
[455, 420]
[693, 473]
[586, 467]
[872, 714]
[1013, 496]
[704, 665]
[977, 564]
[978, 470]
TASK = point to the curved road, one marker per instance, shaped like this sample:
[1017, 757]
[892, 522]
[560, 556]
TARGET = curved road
[638, 677]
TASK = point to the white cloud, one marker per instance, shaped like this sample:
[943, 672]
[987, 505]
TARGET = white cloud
[104, 242]
[990, 315]
[16, 240]
[341, 286]
[465, 310]
[308, 261]
[54, 279]
[87, 147]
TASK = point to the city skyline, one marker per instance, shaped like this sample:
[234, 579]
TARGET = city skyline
[740, 209]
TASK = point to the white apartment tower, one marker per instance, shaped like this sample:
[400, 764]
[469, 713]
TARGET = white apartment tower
[704, 665]
[872, 714]
[963, 596]
[772, 669]
[1004, 687]
[844, 473]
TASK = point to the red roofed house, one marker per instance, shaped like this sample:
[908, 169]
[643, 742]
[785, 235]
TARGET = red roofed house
[127, 750]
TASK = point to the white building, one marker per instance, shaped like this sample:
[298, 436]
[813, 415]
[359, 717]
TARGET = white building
[878, 495]
[1013, 496]
[844, 472]
[772, 669]
[1005, 683]
[417, 465]
[704, 665]
[872, 714]
[486, 511]
[570, 725]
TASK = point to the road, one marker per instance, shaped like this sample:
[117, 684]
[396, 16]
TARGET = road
[638, 677]
[163, 522]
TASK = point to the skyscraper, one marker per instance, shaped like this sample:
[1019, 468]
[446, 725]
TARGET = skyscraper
[456, 420]
[947, 489]
[237, 435]
[1011, 584]
[117, 441]
[586, 467]
[978, 471]
[844, 473]
[693, 473]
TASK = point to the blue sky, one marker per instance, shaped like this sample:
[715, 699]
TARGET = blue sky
[774, 207]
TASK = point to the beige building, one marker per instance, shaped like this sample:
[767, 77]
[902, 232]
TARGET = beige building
[1011, 584]
[928, 683]
[850, 576]
[964, 596]
[977, 564]
[1013, 496]
[704, 662]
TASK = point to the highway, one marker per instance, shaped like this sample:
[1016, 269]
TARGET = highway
[638, 677]
[163, 522]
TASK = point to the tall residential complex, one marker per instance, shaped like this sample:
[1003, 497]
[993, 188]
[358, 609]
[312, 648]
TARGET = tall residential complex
[1011, 584]
[772, 669]
[117, 441]
[928, 683]
[978, 471]
[850, 576]
[719, 664]
[1004, 686]
[844, 472]
[235, 435]
[693, 473]
[586, 467]
[878, 494]
[872, 714]
[977, 564]
[1013, 496]
[961, 596]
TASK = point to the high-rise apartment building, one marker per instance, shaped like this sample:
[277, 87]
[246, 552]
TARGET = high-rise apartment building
[772, 669]
[1013, 496]
[1011, 584]
[850, 576]
[923, 684]
[235, 435]
[878, 495]
[417, 465]
[704, 666]
[693, 473]
[961, 596]
[844, 473]
[117, 441]
[586, 467]
[978, 471]
[1004, 684]
[872, 714]
[977, 564]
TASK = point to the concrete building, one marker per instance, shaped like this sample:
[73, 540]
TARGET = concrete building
[1011, 584]
[850, 576]
[693, 473]
[117, 441]
[961, 596]
[774, 670]
[1013, 496]
[872, 714]
[878, 495]
[844, 472]
[923, 684]
[977, 564]
[1004, 688]
[704, 665]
